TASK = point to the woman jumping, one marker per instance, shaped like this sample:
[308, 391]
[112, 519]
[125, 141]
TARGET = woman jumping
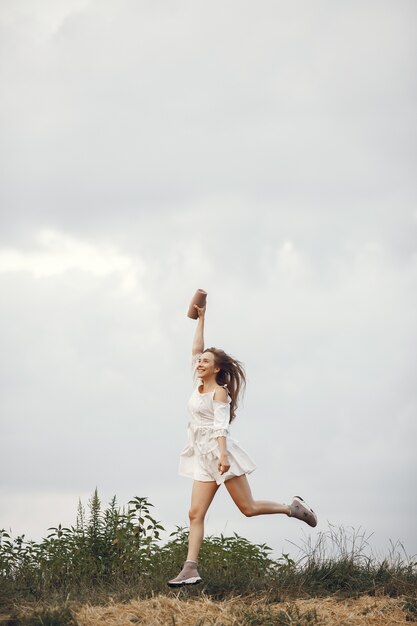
[211, 456]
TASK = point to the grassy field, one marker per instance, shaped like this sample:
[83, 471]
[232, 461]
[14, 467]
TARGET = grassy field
[178, 610]
[112, 567]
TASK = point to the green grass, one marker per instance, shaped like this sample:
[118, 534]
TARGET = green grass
[121, 553]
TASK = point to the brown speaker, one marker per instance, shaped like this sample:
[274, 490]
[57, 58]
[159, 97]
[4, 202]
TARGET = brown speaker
[199, 299]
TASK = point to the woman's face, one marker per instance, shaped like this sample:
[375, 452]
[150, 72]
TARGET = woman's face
[206, 367]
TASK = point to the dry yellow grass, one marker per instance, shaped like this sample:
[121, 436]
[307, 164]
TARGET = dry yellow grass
[364, 611]
[170, 611]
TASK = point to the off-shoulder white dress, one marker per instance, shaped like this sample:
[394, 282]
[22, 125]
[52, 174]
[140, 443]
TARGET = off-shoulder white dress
[209, 420]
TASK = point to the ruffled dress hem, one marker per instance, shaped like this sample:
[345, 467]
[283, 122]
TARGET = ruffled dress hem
[204, 466]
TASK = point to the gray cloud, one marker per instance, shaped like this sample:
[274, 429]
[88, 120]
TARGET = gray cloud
[138, 114]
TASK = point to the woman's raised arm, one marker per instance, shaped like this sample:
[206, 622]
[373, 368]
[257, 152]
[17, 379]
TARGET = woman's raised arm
[198, 341]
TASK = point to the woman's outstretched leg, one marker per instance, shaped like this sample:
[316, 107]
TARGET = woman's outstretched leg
[201, 497]
[239, 489]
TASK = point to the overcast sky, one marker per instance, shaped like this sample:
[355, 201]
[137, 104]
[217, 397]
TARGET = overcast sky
[264, 151]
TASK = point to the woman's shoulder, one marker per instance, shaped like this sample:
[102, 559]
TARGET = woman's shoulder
[221, 394]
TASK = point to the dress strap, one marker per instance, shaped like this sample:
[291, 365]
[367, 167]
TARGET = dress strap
[227, 389]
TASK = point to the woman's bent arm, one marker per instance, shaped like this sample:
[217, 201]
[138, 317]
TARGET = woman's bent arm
[198, 342]
[223, 465]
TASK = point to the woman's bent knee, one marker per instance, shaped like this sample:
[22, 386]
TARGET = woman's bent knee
[248, 510]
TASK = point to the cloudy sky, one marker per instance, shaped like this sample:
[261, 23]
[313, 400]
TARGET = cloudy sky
[263, 151]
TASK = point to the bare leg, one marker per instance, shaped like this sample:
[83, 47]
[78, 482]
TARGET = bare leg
[239, 489]
[201, 497]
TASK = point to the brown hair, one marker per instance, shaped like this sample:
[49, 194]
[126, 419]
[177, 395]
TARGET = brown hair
[231, 374]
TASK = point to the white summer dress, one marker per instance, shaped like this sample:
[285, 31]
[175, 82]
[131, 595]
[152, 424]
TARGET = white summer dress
[209, 420]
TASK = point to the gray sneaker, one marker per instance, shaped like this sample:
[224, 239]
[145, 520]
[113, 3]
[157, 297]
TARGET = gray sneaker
[187, 576]
[300, 510]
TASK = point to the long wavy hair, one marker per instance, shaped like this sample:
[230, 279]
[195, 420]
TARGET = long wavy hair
[232, 374]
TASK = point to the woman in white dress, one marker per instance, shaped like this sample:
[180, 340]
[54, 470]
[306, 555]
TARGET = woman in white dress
[212, 457]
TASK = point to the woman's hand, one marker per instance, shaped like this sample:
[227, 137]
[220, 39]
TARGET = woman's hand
[223, 465]
[200, 310]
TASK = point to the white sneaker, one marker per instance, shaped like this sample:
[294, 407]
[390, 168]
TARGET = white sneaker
[187, 576]
[300, 510]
